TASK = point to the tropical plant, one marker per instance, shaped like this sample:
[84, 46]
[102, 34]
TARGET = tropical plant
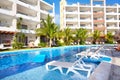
[16, 44]
[81, 35]
[109, 38]
[18, 40]
[48, 29]
[96, 36]
[60, 38]
[68, 35]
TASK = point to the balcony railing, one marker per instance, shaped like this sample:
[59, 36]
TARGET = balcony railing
[100, 28]
[98, 21]
[27, 5]
[25, 16]
[28, 31]
[98, 13]
[46, 12]
[6, 11]
[73, 27]
[71, 19]
[4, 28]
[87, 19]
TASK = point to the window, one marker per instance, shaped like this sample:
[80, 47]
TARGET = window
[24, 26]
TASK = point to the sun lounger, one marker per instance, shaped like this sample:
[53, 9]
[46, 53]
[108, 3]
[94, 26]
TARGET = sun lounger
[91, 54]
[2, 47]
[71, 67]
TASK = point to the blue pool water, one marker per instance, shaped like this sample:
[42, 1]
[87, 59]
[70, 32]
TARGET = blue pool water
[30, 64]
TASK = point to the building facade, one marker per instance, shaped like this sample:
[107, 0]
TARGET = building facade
[96, 15]
[31, 12]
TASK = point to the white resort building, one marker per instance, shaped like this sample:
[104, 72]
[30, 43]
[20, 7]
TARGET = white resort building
[31, 12]
[96, 15]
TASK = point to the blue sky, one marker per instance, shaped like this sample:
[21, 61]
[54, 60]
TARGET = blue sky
[57, 5]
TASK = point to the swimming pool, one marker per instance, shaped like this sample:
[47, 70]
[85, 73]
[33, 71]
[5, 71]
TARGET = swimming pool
[30, 64]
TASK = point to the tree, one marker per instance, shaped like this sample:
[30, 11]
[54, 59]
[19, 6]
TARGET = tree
[109, 38]
[48, 29]
[81, 35]
[60, 37]
[68, 36]
[96, 36]
[18, 40]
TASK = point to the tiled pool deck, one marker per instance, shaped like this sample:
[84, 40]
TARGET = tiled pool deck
[108, 71]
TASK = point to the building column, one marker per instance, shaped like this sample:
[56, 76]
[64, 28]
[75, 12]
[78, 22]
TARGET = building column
[14, 10]
[92, 23]
[14, 7]
[118, 17]
[105, 24]
[54, 13]
[78, 15]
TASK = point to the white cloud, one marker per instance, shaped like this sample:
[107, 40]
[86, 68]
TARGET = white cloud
[57, 18]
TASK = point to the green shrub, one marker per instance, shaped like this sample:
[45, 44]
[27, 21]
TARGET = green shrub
[42, 44]
[59, 43]
[17, 45]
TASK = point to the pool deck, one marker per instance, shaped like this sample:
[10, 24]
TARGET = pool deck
[108, 71]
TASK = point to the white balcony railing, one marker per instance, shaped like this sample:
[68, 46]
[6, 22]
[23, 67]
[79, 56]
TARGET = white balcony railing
[5, 11]
[71, 12]
[27, 5]
[6, 28]
[46, 12]
[87, 19]
[111, 19]
[71, 19]
[73, 26]
[27, 17]
[28, 31]
[112, 27]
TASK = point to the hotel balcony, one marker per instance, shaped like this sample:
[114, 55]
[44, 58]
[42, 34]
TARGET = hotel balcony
[85, 20]
[6, 12]
[73, 26]
[6, 27]
[98, 21]
[100, 28]
[46, 13]
[112, 27]
[45, 5]
[28, 31]
[27, 17]
[111, 13]
[71, 12]
[111, 20]
[98, 14]
[6, 8]
[22, 3]
[72, 19]
[86, 26]
[46, 8]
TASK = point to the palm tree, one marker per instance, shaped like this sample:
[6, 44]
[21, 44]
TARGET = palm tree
[109, 37]
[68, 36]
[48, 29]
[60, 37]
[96, 36]
[81, 35]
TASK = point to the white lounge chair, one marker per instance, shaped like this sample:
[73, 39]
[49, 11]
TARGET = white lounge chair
[91, 54]
[2, 47]
[78, 65]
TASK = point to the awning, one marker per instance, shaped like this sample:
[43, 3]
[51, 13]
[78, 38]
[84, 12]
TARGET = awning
[7, 32]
